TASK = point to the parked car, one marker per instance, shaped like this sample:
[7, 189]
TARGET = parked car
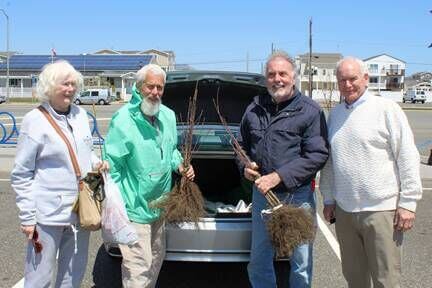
[219, 237]
[94, 96]
[2, 99]
[414, 96]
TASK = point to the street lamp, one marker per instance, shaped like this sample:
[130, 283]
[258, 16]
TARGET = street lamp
[7, 53]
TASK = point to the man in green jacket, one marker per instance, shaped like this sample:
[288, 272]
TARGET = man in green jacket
[141, 147]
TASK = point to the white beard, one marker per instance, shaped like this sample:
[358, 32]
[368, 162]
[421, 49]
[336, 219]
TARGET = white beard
[149, 108]
[281, 94]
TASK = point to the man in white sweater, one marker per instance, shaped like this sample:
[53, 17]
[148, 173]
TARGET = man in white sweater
[371, 182]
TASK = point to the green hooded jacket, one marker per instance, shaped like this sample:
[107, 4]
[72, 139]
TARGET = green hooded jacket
[141, 157]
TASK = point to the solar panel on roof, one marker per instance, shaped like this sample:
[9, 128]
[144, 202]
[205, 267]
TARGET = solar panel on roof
[80, 62]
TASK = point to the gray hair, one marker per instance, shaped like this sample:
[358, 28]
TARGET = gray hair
[361, 63]
[54, 73]
[141, 75]
[281, 54]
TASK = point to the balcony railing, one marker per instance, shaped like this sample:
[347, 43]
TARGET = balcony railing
[392, 86]
[387, 72]
[395, 72]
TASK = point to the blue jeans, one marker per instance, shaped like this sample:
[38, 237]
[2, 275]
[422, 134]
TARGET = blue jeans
[260, 268]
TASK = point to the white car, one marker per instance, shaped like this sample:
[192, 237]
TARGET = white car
[94, 96]
[414, 96]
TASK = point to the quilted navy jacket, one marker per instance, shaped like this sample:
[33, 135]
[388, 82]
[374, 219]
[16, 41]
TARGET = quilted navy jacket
[289, 138]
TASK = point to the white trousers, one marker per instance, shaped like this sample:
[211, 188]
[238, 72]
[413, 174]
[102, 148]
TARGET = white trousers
[40, 267]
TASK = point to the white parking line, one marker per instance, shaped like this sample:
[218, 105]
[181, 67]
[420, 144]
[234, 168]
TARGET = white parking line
[20, 284]
[4, 180]
[329, 236]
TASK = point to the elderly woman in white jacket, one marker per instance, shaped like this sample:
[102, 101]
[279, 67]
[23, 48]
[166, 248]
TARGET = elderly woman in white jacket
[45, 182]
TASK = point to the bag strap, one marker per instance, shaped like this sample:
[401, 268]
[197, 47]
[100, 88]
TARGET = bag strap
[63, 136]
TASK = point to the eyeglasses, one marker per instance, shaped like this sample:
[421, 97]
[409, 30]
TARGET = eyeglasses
[36, 244]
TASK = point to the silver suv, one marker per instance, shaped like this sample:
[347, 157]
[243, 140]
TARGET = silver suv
[219, 237]
[94, 96]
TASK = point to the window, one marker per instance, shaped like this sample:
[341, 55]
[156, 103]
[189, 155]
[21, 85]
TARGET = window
[85, 94]
[373, 79]
[95, 93]
[15, 82]
[373, 68]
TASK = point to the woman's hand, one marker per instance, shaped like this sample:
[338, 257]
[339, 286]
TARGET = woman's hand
[28, 230]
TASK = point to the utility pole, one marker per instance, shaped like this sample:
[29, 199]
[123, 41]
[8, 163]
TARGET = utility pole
[310, 57]
[7, 52]
[247, 61]
[430, 45]
[272, 48]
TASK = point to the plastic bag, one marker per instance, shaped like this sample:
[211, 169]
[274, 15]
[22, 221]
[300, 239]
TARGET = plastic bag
[116, 227]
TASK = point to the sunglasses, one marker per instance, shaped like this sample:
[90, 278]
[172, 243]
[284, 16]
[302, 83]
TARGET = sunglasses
[36, 244]
[96, 184]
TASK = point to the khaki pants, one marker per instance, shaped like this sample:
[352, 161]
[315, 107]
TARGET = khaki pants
[370, 248]
[142, 262]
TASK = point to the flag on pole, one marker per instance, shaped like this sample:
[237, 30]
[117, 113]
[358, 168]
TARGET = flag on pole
[53, 52]
[430, 46]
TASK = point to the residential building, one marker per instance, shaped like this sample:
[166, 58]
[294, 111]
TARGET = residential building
[324, 82]
[99, 70]
[386, 73]
[165, 59]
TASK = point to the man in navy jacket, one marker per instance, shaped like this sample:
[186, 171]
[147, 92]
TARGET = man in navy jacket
[284, 133]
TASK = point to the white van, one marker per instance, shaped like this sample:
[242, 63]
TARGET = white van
[100, 96]
[414, 96]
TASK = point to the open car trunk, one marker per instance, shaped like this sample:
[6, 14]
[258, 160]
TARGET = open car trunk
[219, 236]
[221, 185]
[216, 172]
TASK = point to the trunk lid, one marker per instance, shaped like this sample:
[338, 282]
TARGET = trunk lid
[236, 91]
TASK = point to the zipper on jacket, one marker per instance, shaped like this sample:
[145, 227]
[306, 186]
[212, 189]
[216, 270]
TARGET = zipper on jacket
[154, 122]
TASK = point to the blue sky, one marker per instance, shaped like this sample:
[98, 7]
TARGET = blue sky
[220, 34]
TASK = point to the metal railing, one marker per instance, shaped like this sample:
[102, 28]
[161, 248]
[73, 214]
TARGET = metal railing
[9, 136]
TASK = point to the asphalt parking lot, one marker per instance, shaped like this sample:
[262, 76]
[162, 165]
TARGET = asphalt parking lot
[417, 271]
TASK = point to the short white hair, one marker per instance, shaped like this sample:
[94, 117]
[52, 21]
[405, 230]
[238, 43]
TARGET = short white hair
[361, 63]
[53, 74]
[281, 54]
[141, 75]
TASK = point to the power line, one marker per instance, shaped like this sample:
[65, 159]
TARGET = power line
[422, 45]
[226, 62]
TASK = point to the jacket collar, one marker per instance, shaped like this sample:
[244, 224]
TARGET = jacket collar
[267, 103]
[135, 107]
[73, 112]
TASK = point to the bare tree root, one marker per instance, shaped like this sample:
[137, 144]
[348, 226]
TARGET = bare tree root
[290, 227]
[184, 203]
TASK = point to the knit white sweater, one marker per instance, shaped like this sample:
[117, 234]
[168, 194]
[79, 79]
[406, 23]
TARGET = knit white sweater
[374, 164]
